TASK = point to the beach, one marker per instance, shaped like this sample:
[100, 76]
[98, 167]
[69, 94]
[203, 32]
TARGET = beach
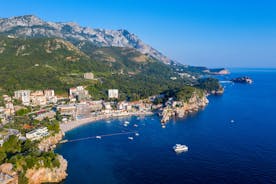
[67, 126]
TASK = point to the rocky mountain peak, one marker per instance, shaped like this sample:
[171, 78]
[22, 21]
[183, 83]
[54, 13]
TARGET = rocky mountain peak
[32, 26]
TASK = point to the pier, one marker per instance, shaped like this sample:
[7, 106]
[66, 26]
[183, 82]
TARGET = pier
[94, 137]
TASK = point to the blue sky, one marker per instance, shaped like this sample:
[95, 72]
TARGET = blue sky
[222, 33]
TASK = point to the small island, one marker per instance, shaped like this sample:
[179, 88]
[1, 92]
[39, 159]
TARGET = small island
[245, 80]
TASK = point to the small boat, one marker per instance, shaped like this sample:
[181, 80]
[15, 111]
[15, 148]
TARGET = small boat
[180, 148]
[135, 125]
[108, 121]
[232, 121]
[98, 137]
[130, 138]
[127, 122]
[63, 141]
[163, 126]
[136, 134]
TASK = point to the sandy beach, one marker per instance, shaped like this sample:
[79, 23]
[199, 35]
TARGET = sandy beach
[65, 127]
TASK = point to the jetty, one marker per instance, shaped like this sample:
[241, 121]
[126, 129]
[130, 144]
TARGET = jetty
[94, 137]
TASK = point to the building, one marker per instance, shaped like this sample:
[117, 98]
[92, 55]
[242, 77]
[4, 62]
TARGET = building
[23, 96]
[82, 110]
[79, 93]
[50, 115]
[113, 93]
[49, 93]
[69, 109]
[89, 76]
[37, 134]
[95, 105]
[38, 100]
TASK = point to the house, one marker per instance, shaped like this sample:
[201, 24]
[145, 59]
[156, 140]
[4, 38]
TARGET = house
[113, 93]
[37, 134]
[23, 95]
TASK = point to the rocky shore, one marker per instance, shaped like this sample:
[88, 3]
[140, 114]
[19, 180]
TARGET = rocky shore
[47, 175]
[50, 142]
[181, 109]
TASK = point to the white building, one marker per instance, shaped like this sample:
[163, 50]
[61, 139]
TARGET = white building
[79, 93]
[23, 95]
[113, 93]
[50, 96]
[37, 134]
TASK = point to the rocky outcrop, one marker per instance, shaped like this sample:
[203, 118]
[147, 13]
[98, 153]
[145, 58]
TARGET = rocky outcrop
[47, 175]
[220, 91]
[181, 109]
[7, 175]
[245, 79]
[49, 143]
[32, 26]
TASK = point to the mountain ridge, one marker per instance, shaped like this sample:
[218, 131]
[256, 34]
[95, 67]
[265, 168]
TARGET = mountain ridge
[33, 26]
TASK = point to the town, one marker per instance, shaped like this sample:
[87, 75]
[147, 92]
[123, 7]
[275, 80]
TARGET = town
[44, 107]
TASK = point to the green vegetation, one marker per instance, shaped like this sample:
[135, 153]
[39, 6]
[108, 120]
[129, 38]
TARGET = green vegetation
[185, 93]
[25, 154]
[209, 84]
[53, 63]
[22, 112]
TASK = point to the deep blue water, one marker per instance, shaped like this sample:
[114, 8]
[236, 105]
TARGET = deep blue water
[219, 151]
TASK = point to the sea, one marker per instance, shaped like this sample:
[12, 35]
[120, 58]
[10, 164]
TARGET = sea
[232, 140]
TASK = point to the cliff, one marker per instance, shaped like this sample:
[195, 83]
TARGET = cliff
[7, 174]
[47, 175]
[180, 108]
[49, 143]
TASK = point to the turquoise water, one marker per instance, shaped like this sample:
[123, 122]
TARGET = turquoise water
[219, 151]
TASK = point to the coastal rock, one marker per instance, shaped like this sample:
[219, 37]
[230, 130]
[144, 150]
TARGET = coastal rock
[245, 79]
[7, 174]
[47, 175]
[183, 108]
[218, 92]
[49, 143]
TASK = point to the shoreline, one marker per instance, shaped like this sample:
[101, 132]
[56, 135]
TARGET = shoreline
[70, 125]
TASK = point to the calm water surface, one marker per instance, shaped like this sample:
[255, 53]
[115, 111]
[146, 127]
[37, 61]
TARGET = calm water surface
[219, 151]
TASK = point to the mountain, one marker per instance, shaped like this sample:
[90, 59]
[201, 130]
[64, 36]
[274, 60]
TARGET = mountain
[32, 26]
[43, 63]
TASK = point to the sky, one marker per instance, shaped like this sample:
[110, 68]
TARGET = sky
[213, 33]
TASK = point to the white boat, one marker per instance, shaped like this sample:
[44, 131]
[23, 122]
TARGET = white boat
[232, 121]
[98, 137]
[136, 134]
[127, 122]
[130, 138]
[125, 125]
[135, 125]
[180, 148]
[163, 126]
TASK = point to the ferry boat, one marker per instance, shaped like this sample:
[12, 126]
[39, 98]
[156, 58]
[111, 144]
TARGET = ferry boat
[180, 148]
